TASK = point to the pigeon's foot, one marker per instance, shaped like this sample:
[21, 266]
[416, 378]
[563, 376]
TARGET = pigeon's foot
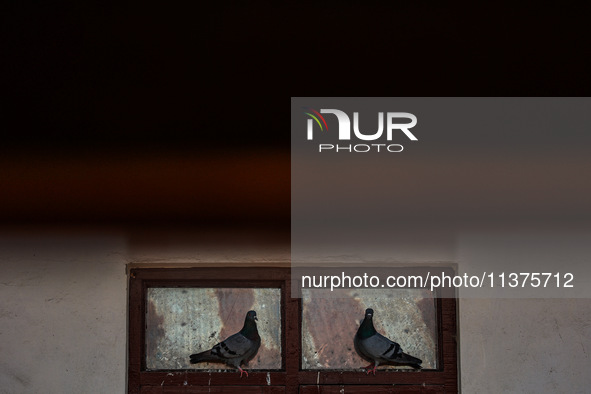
[368, 369]
[242, 371]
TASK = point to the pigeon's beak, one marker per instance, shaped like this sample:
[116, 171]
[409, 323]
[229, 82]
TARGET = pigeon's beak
[255, 318]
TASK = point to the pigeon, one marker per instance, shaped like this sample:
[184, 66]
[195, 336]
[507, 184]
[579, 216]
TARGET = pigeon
[377, 349]
[237, 349]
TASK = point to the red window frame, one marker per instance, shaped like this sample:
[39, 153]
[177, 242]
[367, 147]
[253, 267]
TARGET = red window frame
[291, 378]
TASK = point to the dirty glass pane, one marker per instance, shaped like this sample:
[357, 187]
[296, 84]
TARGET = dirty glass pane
[183, 321]
[406, 316]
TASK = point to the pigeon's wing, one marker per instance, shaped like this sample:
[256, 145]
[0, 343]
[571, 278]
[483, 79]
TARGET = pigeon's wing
[235, 346]
[378, 347]
[404, 358]
[389, 351]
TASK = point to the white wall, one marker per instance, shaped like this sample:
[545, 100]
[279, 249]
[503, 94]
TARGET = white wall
[525, 345]
[63, 316]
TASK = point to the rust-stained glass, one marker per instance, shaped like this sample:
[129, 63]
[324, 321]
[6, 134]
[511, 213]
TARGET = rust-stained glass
[182, 321]
[406, 316]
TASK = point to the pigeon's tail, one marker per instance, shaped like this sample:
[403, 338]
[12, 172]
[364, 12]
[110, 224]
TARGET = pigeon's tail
[410, 360]
[201, 357]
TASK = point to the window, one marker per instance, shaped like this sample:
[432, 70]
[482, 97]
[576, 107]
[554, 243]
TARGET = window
[183, 319]
[329, 324]
[306, 343]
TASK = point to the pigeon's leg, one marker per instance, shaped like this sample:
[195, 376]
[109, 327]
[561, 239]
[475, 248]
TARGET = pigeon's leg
[368, 368]
[373, 370]
[242, 371]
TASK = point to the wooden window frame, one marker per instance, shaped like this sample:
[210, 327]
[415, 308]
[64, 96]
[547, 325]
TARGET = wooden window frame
[291, 377]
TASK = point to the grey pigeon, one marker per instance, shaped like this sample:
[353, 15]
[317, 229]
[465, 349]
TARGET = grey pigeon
[237, 349]
[377, 349]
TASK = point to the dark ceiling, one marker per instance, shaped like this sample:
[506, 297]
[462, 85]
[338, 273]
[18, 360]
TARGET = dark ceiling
[156, 110]
[91, 76]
